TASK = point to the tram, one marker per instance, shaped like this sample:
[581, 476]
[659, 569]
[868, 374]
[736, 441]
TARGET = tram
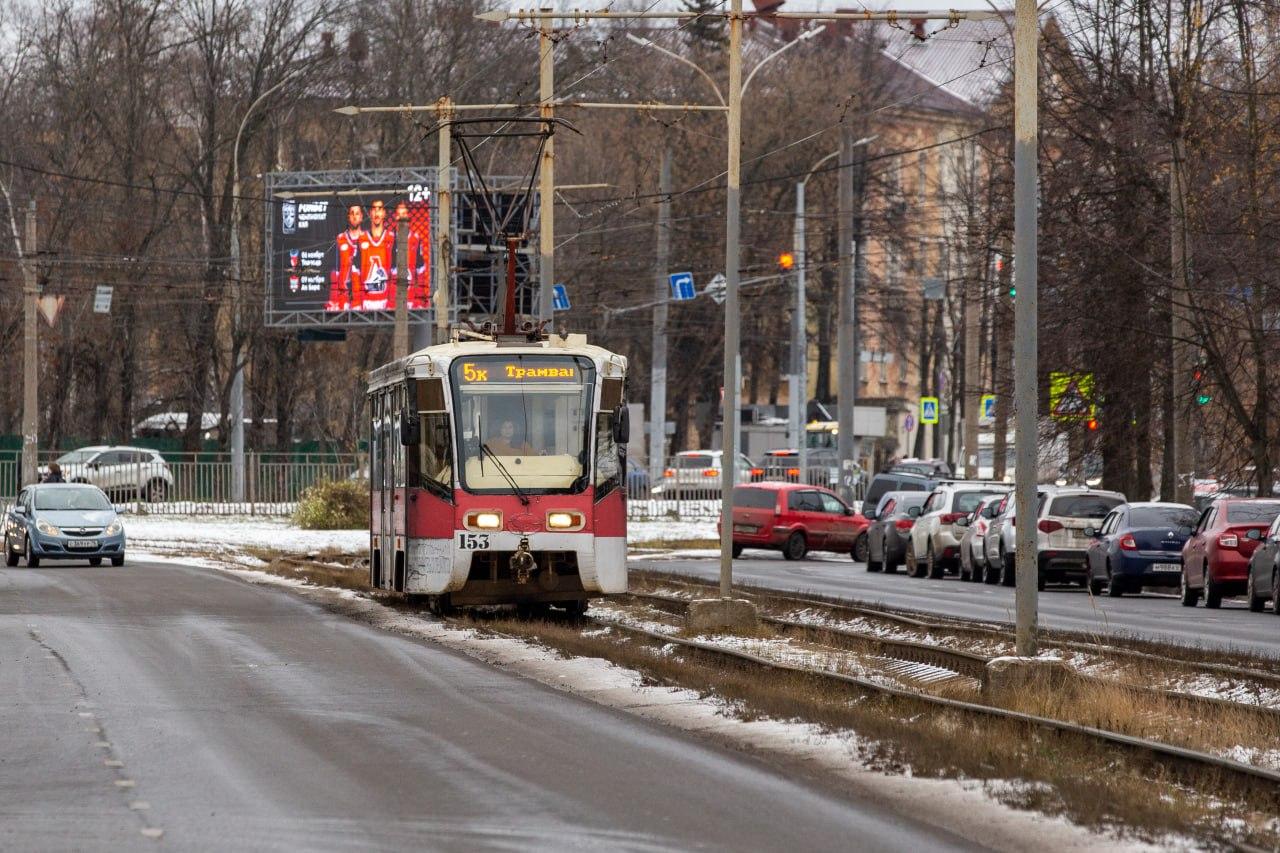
[497, 472]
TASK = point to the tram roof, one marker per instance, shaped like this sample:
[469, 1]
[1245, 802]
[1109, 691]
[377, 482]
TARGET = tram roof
[553, 345]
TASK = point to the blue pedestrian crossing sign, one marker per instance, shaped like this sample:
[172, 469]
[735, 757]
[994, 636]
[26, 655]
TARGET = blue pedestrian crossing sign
[682, 288]
[559, 298]
[988, 408]
[928, 410]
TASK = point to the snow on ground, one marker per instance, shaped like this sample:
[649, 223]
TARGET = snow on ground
[228, 534]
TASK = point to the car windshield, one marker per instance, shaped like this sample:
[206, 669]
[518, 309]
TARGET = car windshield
[71, 499]
[968, 501]
[76, 456]
[523, 419]
[1083, 506]
[1162, 516]
[1253, 512]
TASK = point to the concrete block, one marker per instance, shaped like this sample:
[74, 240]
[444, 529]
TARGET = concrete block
[720, 614]
[1015, 673]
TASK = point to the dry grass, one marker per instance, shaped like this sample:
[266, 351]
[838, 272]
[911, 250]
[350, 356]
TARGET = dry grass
[674, 544]
[328, 567]
[1059, 774]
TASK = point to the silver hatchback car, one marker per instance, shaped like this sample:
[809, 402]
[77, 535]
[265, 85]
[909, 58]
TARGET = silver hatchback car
[63, 521]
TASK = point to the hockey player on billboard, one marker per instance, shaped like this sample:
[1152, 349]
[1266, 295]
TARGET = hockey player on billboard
[376, 261]
[419, 253]
[344, 282]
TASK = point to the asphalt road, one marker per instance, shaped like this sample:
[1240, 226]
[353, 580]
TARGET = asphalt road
[1152, 615]
[162, 700]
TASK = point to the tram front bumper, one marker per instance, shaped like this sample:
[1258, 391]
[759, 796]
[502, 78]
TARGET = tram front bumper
[479, 566]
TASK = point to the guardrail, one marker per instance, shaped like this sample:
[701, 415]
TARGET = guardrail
[200, 483]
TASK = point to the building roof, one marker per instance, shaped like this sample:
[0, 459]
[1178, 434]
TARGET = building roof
[966, 65]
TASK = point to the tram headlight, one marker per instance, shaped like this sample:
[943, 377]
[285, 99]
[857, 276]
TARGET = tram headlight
[562, 520]
[488, 519]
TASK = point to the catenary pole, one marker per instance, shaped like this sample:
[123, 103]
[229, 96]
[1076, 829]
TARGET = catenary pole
[798, 388]
[1025, 39]
[30, 352]
[547, 173]
[400, 336]
[658, 369]
[732, 318]
[444, 221]
[846, 336]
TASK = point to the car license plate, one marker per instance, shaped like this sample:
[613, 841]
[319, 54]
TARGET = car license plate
[1166, 567]
[745, 528]
[82, 543]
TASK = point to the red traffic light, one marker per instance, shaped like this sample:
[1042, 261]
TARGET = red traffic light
[786, 261]
[1092, 424]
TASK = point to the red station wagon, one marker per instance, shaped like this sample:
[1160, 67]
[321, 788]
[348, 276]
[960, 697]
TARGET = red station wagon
[793, 518]
[1215, 560]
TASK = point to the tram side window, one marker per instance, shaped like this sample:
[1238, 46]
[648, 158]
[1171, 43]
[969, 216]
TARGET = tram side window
[397, 449]
[608, 455]
[375, 441]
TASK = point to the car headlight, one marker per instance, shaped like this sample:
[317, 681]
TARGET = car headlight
[113, 528]
[47, 529]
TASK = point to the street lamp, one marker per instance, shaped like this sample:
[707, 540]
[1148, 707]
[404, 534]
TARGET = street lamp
[237, 376]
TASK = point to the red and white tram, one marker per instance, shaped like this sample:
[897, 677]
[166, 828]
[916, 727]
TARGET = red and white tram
[497, 472]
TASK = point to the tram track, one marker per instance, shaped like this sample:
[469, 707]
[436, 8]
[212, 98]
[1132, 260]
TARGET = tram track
[917, 621]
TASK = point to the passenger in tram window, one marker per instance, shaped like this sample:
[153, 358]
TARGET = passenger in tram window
[505, 444]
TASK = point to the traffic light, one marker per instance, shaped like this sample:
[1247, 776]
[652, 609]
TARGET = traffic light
[786, 261]
[1092, 424]
[1203, 398]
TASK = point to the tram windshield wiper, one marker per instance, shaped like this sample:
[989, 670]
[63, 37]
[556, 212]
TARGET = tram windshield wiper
[502, 469]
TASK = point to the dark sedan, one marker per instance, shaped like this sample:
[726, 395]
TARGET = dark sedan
[1139, 545]
[891, 523]
[1264, 572]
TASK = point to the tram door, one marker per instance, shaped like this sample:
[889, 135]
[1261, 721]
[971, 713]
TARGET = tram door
[390, 441]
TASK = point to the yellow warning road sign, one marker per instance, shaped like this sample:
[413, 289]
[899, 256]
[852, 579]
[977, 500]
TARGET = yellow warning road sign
[1071, 396]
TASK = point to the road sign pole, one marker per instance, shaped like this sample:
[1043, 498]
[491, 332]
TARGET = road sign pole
[658, 367]
[1025, 39]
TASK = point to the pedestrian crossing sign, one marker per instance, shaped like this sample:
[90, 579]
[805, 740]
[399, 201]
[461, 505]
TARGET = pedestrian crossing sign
[928, 410]
[988, 409]
[1071, 396]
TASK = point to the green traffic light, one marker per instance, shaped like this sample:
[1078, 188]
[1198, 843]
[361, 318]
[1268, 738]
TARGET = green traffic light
[1204, 399]
[1013, 291]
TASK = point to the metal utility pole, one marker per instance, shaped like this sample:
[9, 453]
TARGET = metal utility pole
[658, 369]
[846, 339]
[798, 386]
[1025, 167]
[547, 174]
[1179, 298]
[732, 316]
[972, 373]
[30, 353]
[400, 337]
[444, 221]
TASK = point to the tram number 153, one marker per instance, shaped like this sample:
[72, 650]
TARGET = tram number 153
[473, 541]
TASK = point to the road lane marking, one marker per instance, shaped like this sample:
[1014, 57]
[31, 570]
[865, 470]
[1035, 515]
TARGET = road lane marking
[113, 762]
[153, 832]
[139, 805]
[125, 783]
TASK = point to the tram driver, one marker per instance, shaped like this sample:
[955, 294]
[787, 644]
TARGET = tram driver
[505, 444]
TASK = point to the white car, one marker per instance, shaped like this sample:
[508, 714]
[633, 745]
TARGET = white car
[696, 474]
[124, 471]
[934, 546]
[1062, 514]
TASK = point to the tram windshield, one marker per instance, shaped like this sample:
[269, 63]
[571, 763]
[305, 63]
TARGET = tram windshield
[523, 420]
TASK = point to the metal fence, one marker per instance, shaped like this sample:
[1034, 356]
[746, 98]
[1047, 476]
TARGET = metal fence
[198, 483]
[694, 493]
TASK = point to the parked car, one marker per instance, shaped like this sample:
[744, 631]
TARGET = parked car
[1138, 545]
[936, 468]
[123, 471]
[1215, 558]
[783, 465]
[899, 482]
[933, 548]
[888, 528]
[1062, 514]
[973, 560]
[793, 518]
[1264, 572]
[696, 474]
[63, 521]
